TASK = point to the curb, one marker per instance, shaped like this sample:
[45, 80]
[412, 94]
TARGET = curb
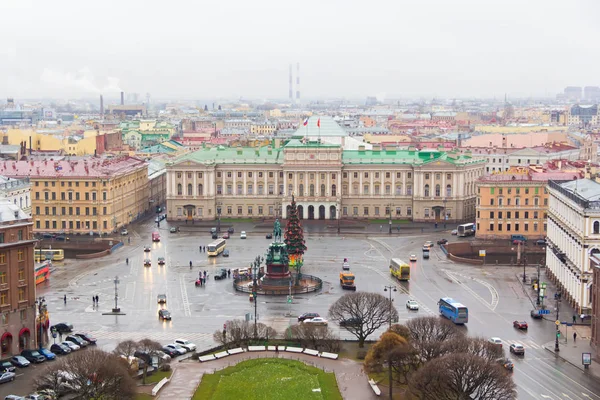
[550, 348]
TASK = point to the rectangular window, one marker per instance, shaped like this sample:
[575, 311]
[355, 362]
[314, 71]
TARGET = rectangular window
[535, 226]
[491, 227]
[366, 189]
[250, 189]
[354, 210]
[260, 210]
[229, 189]
[492, 190]
[21, 274]
[20, 255]
[491, 214]
[219, 189]
[239, 189]
[388, 189]
[508, 214]
[270, 210]
[491, 202]
[3, 302]
[499, 214]
[499, 227]
[2, 258]
[535, 215]
[508, 227]
[526, 214]
[239, 174]
[427, 213]
[229, 210]
[516, 227]
[2, 278]
[366, 211]
[271, 189]
[345, 210]
[409, 175]
[517, 214]
[376, 210]
[426, 176]
[239, 210]
[249, 210]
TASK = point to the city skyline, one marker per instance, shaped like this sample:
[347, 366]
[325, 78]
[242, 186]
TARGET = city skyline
[462, 49]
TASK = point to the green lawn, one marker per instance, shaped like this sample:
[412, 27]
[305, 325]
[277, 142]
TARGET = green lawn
[143, 396]
[271, 378]
[158, 376]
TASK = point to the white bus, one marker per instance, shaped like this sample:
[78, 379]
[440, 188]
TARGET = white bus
[215, 248]
[466, 230]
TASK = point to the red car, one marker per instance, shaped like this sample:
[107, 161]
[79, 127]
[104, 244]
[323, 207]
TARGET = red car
[520, 324]
[226, 235]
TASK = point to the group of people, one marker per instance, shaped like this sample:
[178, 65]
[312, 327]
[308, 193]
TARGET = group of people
[95, 300]
[202, 249]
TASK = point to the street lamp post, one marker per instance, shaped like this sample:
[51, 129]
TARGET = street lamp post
[116, 282]
[255, 269]
[218, 217]
[337, 214]
[557, 297]
[390, 220]
[445, 214]
[41, 308]
[390, 288]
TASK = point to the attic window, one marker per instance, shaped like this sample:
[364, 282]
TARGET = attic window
[16, 214]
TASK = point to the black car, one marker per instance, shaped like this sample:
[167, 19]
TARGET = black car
[540, 242]
[230, 230]
[170, 351]
[308, 315]
[77, 340]
[164, 315]
[442, 241]
[536, 314]
[6, 366]
[63, 327]
[350, 322]
[269, 236]
[226, 253]
[222, 274]
[215, 235]
[88, 338]
[60, 349]
[33, 356]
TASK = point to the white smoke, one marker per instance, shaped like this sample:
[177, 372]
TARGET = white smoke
[381, 97]
[81, 81]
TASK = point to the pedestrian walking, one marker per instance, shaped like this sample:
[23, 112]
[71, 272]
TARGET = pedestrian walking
[204, 248]
[200, 249]
[574, 318]
[93, 301]
[65, 299]
[128, 240]
[228, 273]
[380, 228]
[204, 273]
[574, 336]
[97, 299]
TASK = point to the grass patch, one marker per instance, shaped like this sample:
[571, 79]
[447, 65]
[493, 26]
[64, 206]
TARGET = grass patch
[270, 378]
[158, 376]
[143, 396]
[387, 221]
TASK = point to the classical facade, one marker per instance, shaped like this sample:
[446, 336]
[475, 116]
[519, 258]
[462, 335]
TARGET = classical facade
[17, 191]
[573, 237]
[327, 181]
[17, 281]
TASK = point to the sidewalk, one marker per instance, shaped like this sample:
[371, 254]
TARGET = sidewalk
[571, 351]
[352, 380]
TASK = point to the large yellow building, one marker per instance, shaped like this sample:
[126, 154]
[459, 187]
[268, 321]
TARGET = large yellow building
[71, 143]
[82, 196]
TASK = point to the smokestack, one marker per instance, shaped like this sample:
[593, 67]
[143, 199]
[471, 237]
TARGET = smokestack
[291, 84]
[298, 81]
[122, 98]
[101, 106]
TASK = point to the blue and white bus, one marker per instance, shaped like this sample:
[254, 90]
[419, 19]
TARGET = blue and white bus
[466, 230]
[453, 310]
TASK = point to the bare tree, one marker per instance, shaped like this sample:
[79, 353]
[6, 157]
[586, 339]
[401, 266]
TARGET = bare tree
[432, 336]
[265, 332]
[462, 376]
[401, 330]
[146, 348]
[477, 346]
[126, 348]
[370, 310]
[240, 332]
[405, 361]
[316, 337]
[90, 374]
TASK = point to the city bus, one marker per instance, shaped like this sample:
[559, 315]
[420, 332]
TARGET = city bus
[453, 310]
[399, 269]
[48, 255]
[466, 230]
[42, 272]
[155, 237]
[215, 248]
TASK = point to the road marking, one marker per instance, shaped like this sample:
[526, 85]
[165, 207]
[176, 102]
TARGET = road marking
[545, 397]
[492, 306]
[566, 395]
[184, 296]
[575, 382]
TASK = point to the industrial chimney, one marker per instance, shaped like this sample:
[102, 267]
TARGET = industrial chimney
[291, 85]
[298, 81]
[101, 107]
[122, 98]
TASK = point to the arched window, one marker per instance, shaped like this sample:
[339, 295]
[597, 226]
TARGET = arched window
[333, 190]
[517, 201]
[437, 191]
[426, 190]
[596, 227]
[311, 190]
[448, 190]
[200, 190]
[322, 190]
[301, 190]
[179, 189]
[536, 202]
[399, 190]
[190, 190]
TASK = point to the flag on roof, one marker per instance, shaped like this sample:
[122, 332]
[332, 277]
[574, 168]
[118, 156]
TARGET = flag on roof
[305, 121]
[319, 123]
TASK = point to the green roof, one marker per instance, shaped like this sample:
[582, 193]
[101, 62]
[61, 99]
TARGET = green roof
[425, 156]
[233, 155]
[298, 143]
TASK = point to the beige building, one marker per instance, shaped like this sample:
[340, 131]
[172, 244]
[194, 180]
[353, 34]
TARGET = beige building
[326, 181]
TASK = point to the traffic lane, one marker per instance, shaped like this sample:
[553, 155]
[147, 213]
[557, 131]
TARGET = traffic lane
[24, 380]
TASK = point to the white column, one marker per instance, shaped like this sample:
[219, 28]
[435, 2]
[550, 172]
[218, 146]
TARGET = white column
[234, 174]
[371, 183]
[244, 189]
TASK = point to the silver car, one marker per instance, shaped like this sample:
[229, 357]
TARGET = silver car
[7, 377]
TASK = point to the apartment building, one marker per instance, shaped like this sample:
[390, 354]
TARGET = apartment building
[17, 191]
[78, 197]
[17, 281]
[573, 237]
[327, 181]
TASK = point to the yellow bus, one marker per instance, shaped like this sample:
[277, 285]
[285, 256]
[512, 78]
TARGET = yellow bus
[49, 255]
[215, 248]
[399, 269]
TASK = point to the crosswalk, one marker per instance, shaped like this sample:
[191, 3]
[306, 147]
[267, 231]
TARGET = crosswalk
[527, 343]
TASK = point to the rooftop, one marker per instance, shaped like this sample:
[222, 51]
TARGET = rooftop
[232, 155]
[328, 128]
[395, 156]
[586, 189]
[90, 167]
[10, 212]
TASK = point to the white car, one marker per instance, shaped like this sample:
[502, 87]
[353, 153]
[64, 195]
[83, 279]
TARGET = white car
[186, 344]
[412, 257]
[71, 345]
[162, 355]
[243, 235]
[316, 321]
[124, 232]
[454, 232]
[496, 341]
[412, 304]
[428, 244]
[177, 348]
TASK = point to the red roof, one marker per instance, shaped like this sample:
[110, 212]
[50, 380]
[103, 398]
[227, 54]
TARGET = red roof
[87, 168]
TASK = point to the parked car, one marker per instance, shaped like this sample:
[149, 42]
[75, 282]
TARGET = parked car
[161, 261]
[72, 345]
[124, 232]
[213, 230]
[226, 235]
[7, 377]
[162, 355]
[14, 397]
[226, 253]
[59, 348]
[39, 396]
[520, 324]
[412, 257]
[77, 340]
[518, 241]
[171, 352]
[63, 328]
[350, 321]
[442, 241]
[308, 315]
[33, 356]
[316, 321]
[517, 348]
[454, 232]
[412, 304]
[243, 235]
[222, 274]
[147, 249]
[88, 338]
[147, 262]
[540, 242]
[6, 366]
[536, 314]
[164, 315]
[161, 299]
[269, 236]
[48, 355]
[186, 344]
[230, 230]
[428, 243]
[496, 340]
[215, 235]
[20, 361]
[179, 349]
[173, 229]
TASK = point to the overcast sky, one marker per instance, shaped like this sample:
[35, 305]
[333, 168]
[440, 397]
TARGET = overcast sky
[346, 48]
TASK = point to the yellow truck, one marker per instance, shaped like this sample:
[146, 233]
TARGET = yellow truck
[347, 280]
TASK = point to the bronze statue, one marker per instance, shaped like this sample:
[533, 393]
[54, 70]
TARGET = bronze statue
[277, 231]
